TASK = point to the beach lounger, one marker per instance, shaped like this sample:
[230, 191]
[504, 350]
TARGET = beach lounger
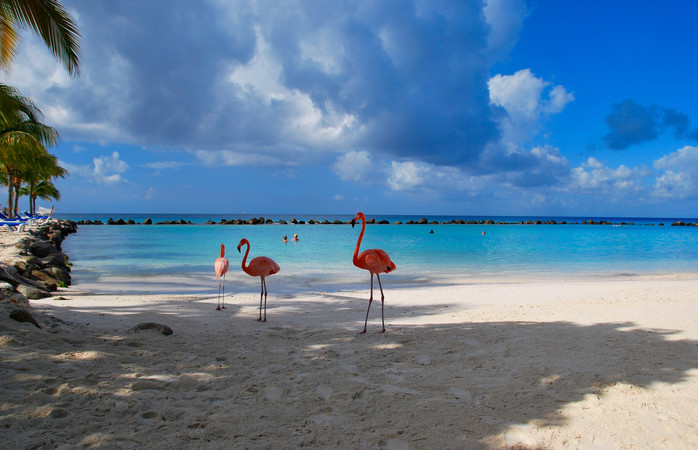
[12, 225]
[4, 218]
[36, 217]
[43, 215]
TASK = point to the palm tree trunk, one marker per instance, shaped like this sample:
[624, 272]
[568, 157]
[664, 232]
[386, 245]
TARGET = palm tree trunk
[10, 194]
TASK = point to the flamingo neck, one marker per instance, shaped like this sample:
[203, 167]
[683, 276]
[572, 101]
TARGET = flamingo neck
[222, 250]
[244, 259]
[358, 242]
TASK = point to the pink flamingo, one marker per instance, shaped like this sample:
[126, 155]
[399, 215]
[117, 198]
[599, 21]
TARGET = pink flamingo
[376, 261]
[262, 267]
[221, 265]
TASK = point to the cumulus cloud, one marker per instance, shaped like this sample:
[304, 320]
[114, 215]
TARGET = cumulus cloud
[354, 166]
[407, 175]
[680, 174]
[596, 178]
[105, 170]
[522, 96]
[409, 81]
[630, 123]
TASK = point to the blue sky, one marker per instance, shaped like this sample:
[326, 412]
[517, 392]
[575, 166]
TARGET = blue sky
[501, 107]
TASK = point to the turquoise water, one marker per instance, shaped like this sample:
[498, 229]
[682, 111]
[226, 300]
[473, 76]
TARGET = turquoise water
[179, 258]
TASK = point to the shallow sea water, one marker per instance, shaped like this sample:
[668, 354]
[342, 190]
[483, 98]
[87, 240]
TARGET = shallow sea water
[179, 258]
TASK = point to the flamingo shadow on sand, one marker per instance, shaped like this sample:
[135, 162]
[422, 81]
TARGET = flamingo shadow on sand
[262, 267]
[376, 261]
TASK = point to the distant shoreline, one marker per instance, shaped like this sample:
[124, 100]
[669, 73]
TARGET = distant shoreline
[421, 221]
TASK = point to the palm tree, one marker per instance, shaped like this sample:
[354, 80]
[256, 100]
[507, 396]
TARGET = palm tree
[48, 19]
[38, 177]
[23, 141]
[44, 189]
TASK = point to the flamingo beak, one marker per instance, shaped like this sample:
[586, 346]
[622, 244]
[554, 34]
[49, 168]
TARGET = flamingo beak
[239, 249]
[353, 222]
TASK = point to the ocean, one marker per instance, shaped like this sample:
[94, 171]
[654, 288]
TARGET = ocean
[152, 259]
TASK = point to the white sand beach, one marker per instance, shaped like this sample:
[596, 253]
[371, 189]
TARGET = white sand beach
[607, 363]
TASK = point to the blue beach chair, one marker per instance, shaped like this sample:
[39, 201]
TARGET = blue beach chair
[13, 225]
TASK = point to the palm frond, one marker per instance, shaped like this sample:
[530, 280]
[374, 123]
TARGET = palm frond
[50, 20]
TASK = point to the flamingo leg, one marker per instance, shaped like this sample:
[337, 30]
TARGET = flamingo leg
[218, 308]
[264, 281]
[261, 295]
[382, 301]
[223, 296]
[370, 300]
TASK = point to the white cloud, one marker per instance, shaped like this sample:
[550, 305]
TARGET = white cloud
[594, 177]
[521, 96]
[680, 177]
[105, 170]
[354, 166]
[407, 175]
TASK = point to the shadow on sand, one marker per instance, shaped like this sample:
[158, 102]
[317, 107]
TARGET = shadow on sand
[247, 385]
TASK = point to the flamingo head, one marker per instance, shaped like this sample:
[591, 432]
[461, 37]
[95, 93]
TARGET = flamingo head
[359, 216]
[243, 241]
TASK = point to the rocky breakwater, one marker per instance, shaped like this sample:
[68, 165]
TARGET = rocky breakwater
[32, 264]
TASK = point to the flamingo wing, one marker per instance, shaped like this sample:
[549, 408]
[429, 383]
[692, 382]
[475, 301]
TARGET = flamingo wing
[375, 260]
[221, 265]
[262, 266]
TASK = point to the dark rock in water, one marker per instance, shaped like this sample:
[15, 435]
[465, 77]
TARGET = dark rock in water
[152, 326]
[21, 315]
[148, 221]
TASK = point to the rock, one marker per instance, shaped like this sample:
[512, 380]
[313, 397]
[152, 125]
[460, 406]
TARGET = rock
[50, 282]
[148, 221]
[9, 274]
[21, 315]
[41, 249]
[32, 292]
[19, 300]
[6, 290]
[57, 259]
[152, 326]
[60, 273]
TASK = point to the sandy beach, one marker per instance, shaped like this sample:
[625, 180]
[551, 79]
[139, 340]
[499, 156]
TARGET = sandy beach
[608, 363]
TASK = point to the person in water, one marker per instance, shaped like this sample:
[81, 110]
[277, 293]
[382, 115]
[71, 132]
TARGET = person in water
[285, 238]
[295, 237]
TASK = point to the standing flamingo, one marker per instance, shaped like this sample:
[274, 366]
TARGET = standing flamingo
[376, 261]
[221, 265]
[261, 266]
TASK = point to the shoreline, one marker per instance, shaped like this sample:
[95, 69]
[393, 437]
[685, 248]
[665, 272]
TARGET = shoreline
[604, 362]
[372, 221]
